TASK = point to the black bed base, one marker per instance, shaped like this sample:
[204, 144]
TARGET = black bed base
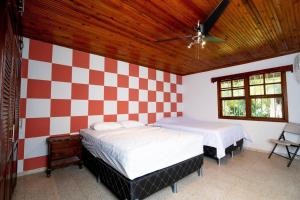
[212, 151]
[144, 186]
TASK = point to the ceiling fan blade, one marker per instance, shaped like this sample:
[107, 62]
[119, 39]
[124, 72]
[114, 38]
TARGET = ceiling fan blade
[175, 38]
[214, 16]
[212, 39]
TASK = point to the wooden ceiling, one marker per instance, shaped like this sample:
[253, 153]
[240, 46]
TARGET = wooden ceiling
[127, 30]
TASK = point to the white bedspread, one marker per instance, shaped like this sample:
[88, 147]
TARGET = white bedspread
[216, 134]
[135, 152]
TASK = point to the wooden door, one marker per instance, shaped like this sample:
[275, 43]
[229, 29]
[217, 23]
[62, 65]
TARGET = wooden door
[9, 98]
[3, 105]
[7, 110]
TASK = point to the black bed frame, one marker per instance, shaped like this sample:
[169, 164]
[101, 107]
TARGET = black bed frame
[212, 151]
[140, 187]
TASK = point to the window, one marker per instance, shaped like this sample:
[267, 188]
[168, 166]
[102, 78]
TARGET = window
[233, 98]
[259, 95]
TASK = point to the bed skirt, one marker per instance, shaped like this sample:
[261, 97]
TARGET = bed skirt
[212, 151]
[140, 187]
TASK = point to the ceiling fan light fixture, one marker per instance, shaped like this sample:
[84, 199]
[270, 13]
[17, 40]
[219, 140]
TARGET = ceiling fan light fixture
[203, 44]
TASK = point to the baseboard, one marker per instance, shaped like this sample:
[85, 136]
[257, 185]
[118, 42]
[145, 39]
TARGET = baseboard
[268, 152]
[34, 171]
[257, 150]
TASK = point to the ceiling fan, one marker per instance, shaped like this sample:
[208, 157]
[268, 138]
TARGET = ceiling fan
[201, 35]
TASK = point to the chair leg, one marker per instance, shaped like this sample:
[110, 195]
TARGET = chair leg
[280, 137]
[288, 151]
[289, 164]
[272, 151]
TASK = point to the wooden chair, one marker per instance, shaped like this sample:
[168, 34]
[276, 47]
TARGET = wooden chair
[289, 128]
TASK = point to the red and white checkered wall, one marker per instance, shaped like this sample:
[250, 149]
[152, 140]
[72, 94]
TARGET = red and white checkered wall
[64, 90]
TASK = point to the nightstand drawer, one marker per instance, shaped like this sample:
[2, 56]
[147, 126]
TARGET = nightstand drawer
[64, 153]
[65, 144]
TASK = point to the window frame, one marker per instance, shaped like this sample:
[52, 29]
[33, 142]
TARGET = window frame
[248, 97]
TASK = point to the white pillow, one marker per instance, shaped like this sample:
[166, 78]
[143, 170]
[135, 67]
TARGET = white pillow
[131, 124]
[102, 126]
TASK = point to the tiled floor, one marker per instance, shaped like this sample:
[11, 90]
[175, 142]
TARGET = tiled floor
[249, 175]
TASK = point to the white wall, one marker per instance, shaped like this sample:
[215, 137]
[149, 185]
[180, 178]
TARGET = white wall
[200, 100]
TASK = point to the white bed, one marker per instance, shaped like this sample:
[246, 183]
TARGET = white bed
[215, 134]
[135, 152]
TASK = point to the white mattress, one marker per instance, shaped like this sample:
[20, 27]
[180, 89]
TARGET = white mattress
[135, 152]
[215, 134]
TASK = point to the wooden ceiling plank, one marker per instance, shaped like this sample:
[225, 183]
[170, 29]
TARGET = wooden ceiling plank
[255, 14]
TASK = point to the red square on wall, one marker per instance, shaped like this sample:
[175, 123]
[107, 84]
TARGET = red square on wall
[173, 87]
[110, 65]
[152, 74]
[134, 117]
[159, 107]
[151, 118]
[110, 118]
[110, 93]
[143, 84]
[24, 68]
[123, 81]
[61, 73]
[122, 107]
[81, 59]
[41, 51]
[96, 77]
[36, 127]
[179, 114]
[60, 107]
[151, 96]
[167, 114]
[143, 107]
[173, 107]
[80, 91]
[78, 123]
[179, 79]
[159, 86]
[20, 149]
[134, 70]
[133, 94]
[34, 163]
[95, 107]
[166, 77]
[167, 97]
[179, 98]
[22, 108]
[38, 89]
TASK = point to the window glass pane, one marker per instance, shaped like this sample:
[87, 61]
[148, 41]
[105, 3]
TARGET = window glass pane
[273, 89]
[235, 107]
[238, 93]
[266, 107]
[257, 90]
[226, 93]
[256, 79]
[273, 77]
[226, 84]
[238, 83]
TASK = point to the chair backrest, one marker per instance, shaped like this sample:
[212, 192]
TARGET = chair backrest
[292, 128]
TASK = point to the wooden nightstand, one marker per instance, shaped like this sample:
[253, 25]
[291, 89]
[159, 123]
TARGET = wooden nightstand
[62, 151]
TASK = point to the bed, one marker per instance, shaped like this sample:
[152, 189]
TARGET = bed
[136, 162]
[219, 138]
